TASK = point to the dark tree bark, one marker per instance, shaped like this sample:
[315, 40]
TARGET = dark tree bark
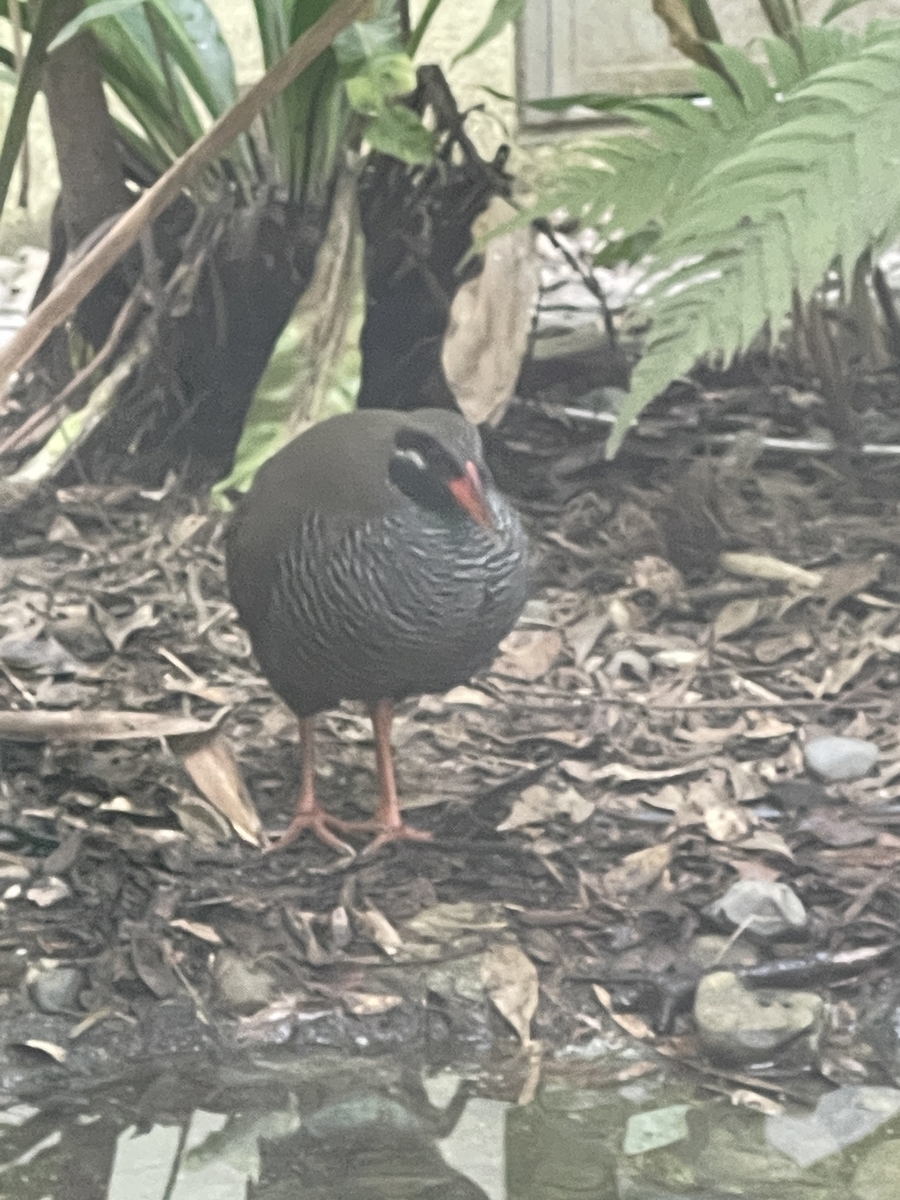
[93, 182]
[418, 227]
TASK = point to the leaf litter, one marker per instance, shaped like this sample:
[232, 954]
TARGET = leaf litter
[636, 750]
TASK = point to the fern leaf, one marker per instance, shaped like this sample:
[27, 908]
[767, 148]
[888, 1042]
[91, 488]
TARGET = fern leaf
[821, 182]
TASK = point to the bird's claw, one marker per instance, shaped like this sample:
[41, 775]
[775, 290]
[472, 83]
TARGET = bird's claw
[317, 823]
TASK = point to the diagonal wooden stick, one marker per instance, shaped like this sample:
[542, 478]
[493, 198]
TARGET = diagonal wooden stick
[63, 299]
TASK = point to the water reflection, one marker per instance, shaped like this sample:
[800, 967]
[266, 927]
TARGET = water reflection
[321, 1128]
[325, 1128]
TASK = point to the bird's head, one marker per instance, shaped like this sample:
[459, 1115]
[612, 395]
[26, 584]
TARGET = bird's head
[441, 468]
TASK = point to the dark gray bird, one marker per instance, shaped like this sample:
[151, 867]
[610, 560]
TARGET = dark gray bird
[373, 559]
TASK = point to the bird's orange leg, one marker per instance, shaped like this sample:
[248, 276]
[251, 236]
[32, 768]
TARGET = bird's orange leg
[310, 814]
[388, 823]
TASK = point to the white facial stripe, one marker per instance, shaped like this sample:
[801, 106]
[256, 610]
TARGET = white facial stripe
[412, 456]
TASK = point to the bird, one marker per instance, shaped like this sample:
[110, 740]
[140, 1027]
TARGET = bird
[373, 558]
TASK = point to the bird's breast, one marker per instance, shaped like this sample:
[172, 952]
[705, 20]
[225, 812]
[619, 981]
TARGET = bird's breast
[390, 607]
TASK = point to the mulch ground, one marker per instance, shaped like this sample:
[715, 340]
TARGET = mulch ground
[651, 704]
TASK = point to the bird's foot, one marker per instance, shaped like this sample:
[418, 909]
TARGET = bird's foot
[384, 832]
[317, 821]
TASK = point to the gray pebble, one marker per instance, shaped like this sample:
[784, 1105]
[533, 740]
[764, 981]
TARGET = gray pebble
[837, 759]
[57, 990]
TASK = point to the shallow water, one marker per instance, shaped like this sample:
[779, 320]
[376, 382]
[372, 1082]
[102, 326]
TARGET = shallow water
[322, 1127]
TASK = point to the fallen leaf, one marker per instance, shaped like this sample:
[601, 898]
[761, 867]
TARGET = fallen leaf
[638, 870]
[197, 929]
[490, 320]
[538, 803]
[369, 1004]
[442, 922]
[763, 566]
[634, 1025]
[473, 697]
[511, 980]
[582, 636]
[210, 762]
[98, 725]
[528, 654]
[49, 891]
[117, 630]
[767, 841]
[379, 929]
[736, 616]
[58, 1053]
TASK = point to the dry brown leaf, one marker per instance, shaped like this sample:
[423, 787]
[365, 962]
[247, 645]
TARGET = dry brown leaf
[766, 725]
[117, 630]
[98, 725]
[528, 654]
[379, 929]
[757, 1103]
[736, 616]
[848, 579]
[538, 803]
[58, 1053]
[490, 319]
[709, 735]
[767, 841]
[773, 649]
[511, 980]
[210, 762]
[369, 1004]
[724, 821]
[582, 636]
[633, 1025]
[473, 697]
[586, 772]
[763, 566]
[198, 929]
[638, 870]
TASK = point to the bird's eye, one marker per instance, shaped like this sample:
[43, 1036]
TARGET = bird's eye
[413, 456]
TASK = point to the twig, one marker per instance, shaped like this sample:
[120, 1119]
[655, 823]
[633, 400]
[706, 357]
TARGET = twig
[588, 278]
[60, 401]
[127, 230]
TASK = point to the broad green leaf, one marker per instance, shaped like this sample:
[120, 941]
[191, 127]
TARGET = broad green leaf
[194, 40]
[839, 7]
[102, 8]
[703, 17]
[364, 41]
[46, 26]
[399, 132]
[384, 77]
[502, 14]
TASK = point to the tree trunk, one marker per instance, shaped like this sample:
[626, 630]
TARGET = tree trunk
[93, 183]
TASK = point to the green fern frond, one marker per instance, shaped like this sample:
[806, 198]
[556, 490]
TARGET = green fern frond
[821, 182]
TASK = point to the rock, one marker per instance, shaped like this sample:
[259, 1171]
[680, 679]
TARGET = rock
[838, 759]
[740, 1025]
[712, 951]
[879, 1169]
[57, 990]
[841, 1118]
[12, 968]
[242, 987]
[766, 909]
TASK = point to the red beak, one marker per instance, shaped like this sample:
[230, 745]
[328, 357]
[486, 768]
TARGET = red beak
[468, 493]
